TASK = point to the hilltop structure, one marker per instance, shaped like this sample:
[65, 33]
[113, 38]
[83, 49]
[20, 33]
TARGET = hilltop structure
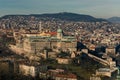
[36, 40]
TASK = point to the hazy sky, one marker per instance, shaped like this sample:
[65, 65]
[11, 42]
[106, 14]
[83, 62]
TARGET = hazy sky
[96, 8]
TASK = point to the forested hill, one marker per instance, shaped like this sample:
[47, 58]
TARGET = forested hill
[65, 16]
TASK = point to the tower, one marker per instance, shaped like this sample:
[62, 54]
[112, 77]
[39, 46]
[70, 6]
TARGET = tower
[59, 36]
[40, 27]
[59, 33]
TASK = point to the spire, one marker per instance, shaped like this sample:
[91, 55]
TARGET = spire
[40, 26]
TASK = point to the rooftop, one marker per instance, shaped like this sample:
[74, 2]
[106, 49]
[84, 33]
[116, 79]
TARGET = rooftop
[104, 70]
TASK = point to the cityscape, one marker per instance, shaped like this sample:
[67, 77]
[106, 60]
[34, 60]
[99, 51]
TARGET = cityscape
[59, 44]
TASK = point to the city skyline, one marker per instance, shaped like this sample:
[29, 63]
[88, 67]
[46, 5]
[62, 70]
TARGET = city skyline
[96, 8]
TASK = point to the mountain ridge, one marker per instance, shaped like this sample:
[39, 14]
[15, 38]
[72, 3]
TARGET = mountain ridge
[114, 19]
[62, 16]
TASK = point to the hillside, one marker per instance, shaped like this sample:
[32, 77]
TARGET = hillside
[59, 16]
[114, 19]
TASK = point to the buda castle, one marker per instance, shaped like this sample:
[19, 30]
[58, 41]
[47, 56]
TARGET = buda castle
[36, 41]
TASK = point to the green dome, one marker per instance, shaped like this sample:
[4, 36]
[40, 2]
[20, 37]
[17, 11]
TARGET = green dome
[59, 30]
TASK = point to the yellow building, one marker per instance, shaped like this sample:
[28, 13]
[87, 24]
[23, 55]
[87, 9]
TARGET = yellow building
[34, 43]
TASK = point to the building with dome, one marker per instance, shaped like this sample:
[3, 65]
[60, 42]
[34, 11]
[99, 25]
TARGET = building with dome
[34, 43]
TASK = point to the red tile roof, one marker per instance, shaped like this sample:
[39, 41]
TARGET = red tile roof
[52, 33]
[69, 75]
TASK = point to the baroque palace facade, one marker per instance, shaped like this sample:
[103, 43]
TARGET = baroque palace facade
[35, 42]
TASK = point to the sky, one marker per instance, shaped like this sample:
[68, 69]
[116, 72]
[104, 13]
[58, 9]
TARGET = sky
[96, 8]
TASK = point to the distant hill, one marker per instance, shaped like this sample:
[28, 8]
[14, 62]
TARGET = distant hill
[61, 16]
[114, 19]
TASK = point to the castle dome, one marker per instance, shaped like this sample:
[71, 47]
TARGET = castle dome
[59, 30]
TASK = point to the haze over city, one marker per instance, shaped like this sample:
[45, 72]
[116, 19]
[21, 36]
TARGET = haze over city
[96, 8]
